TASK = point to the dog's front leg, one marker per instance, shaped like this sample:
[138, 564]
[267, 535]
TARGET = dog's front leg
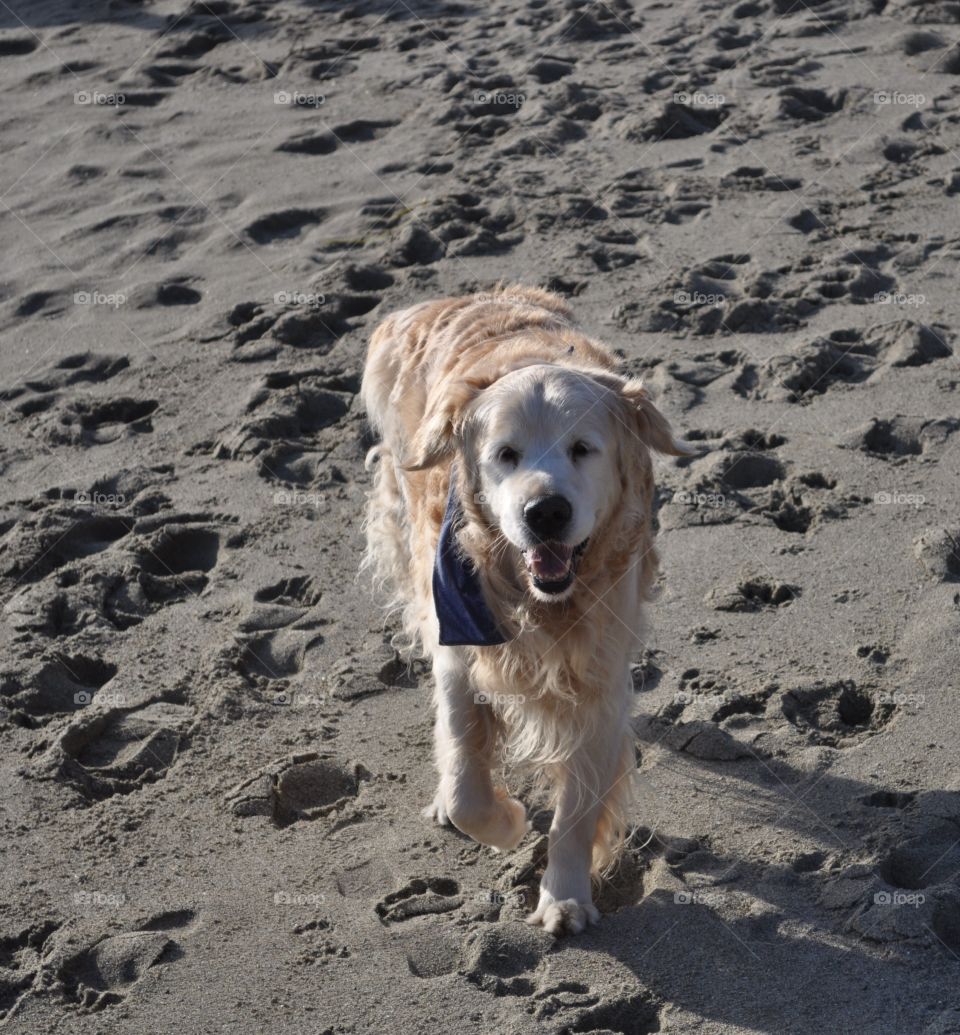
[465, 736]
[589, 781]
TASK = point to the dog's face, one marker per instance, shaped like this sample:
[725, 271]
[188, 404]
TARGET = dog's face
[547, 447]
[543, 443]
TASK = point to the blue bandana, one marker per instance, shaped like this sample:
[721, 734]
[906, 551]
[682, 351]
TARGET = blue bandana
[465, 619]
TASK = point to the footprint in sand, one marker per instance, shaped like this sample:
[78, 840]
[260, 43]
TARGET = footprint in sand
[119, 751]
[639, 1013]
[755, 593]
[93, 422]
[839, 714]
[507, 960]
[278, 655]
[302, 788]
[359, 131]
[279, 630]
[900, 436]
[21, 964]
[76, 369]
[108, 971]
[40, 544]
[284, 225]
[420, 897]
[912, 895]
[75, 567]
[17, 46]
[291, 425]
[503, 959]
[315, 317]
[289, 602]
[60, 685]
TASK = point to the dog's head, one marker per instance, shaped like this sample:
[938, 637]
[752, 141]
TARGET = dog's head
[548, 454]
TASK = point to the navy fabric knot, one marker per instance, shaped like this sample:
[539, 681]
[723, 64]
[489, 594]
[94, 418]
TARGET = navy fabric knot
[465, 619]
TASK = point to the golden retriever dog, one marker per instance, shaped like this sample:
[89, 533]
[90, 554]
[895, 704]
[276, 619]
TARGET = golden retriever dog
[511, 520]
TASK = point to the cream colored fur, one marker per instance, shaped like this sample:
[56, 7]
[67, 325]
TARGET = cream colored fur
[556, 697]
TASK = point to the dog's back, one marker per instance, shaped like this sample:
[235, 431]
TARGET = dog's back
[413, 347]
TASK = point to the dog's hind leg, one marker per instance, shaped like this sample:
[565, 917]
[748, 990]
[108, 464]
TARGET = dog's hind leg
[465, 736]
[387, 555]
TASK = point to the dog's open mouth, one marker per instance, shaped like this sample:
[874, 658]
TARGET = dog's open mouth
[552, 566]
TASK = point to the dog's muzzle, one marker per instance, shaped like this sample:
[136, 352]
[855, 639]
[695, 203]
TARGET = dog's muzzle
[552, 567]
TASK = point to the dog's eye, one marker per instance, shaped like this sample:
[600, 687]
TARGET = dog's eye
[579, 450]
[508, 455]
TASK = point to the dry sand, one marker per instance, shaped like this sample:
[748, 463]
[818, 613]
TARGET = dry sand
[212, 759]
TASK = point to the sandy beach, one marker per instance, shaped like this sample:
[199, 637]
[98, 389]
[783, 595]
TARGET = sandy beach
[213, 756]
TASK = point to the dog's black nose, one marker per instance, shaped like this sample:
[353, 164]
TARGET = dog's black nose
[547, 516]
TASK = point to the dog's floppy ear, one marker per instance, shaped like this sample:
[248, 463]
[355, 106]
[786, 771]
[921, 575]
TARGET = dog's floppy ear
[653, 428]
[443, 422]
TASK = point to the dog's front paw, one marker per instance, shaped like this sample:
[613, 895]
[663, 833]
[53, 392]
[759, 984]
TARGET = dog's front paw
[564, 916]
[500, 824]
[508, 824]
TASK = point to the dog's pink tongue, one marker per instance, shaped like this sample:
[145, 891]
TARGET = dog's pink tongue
[550, 562]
